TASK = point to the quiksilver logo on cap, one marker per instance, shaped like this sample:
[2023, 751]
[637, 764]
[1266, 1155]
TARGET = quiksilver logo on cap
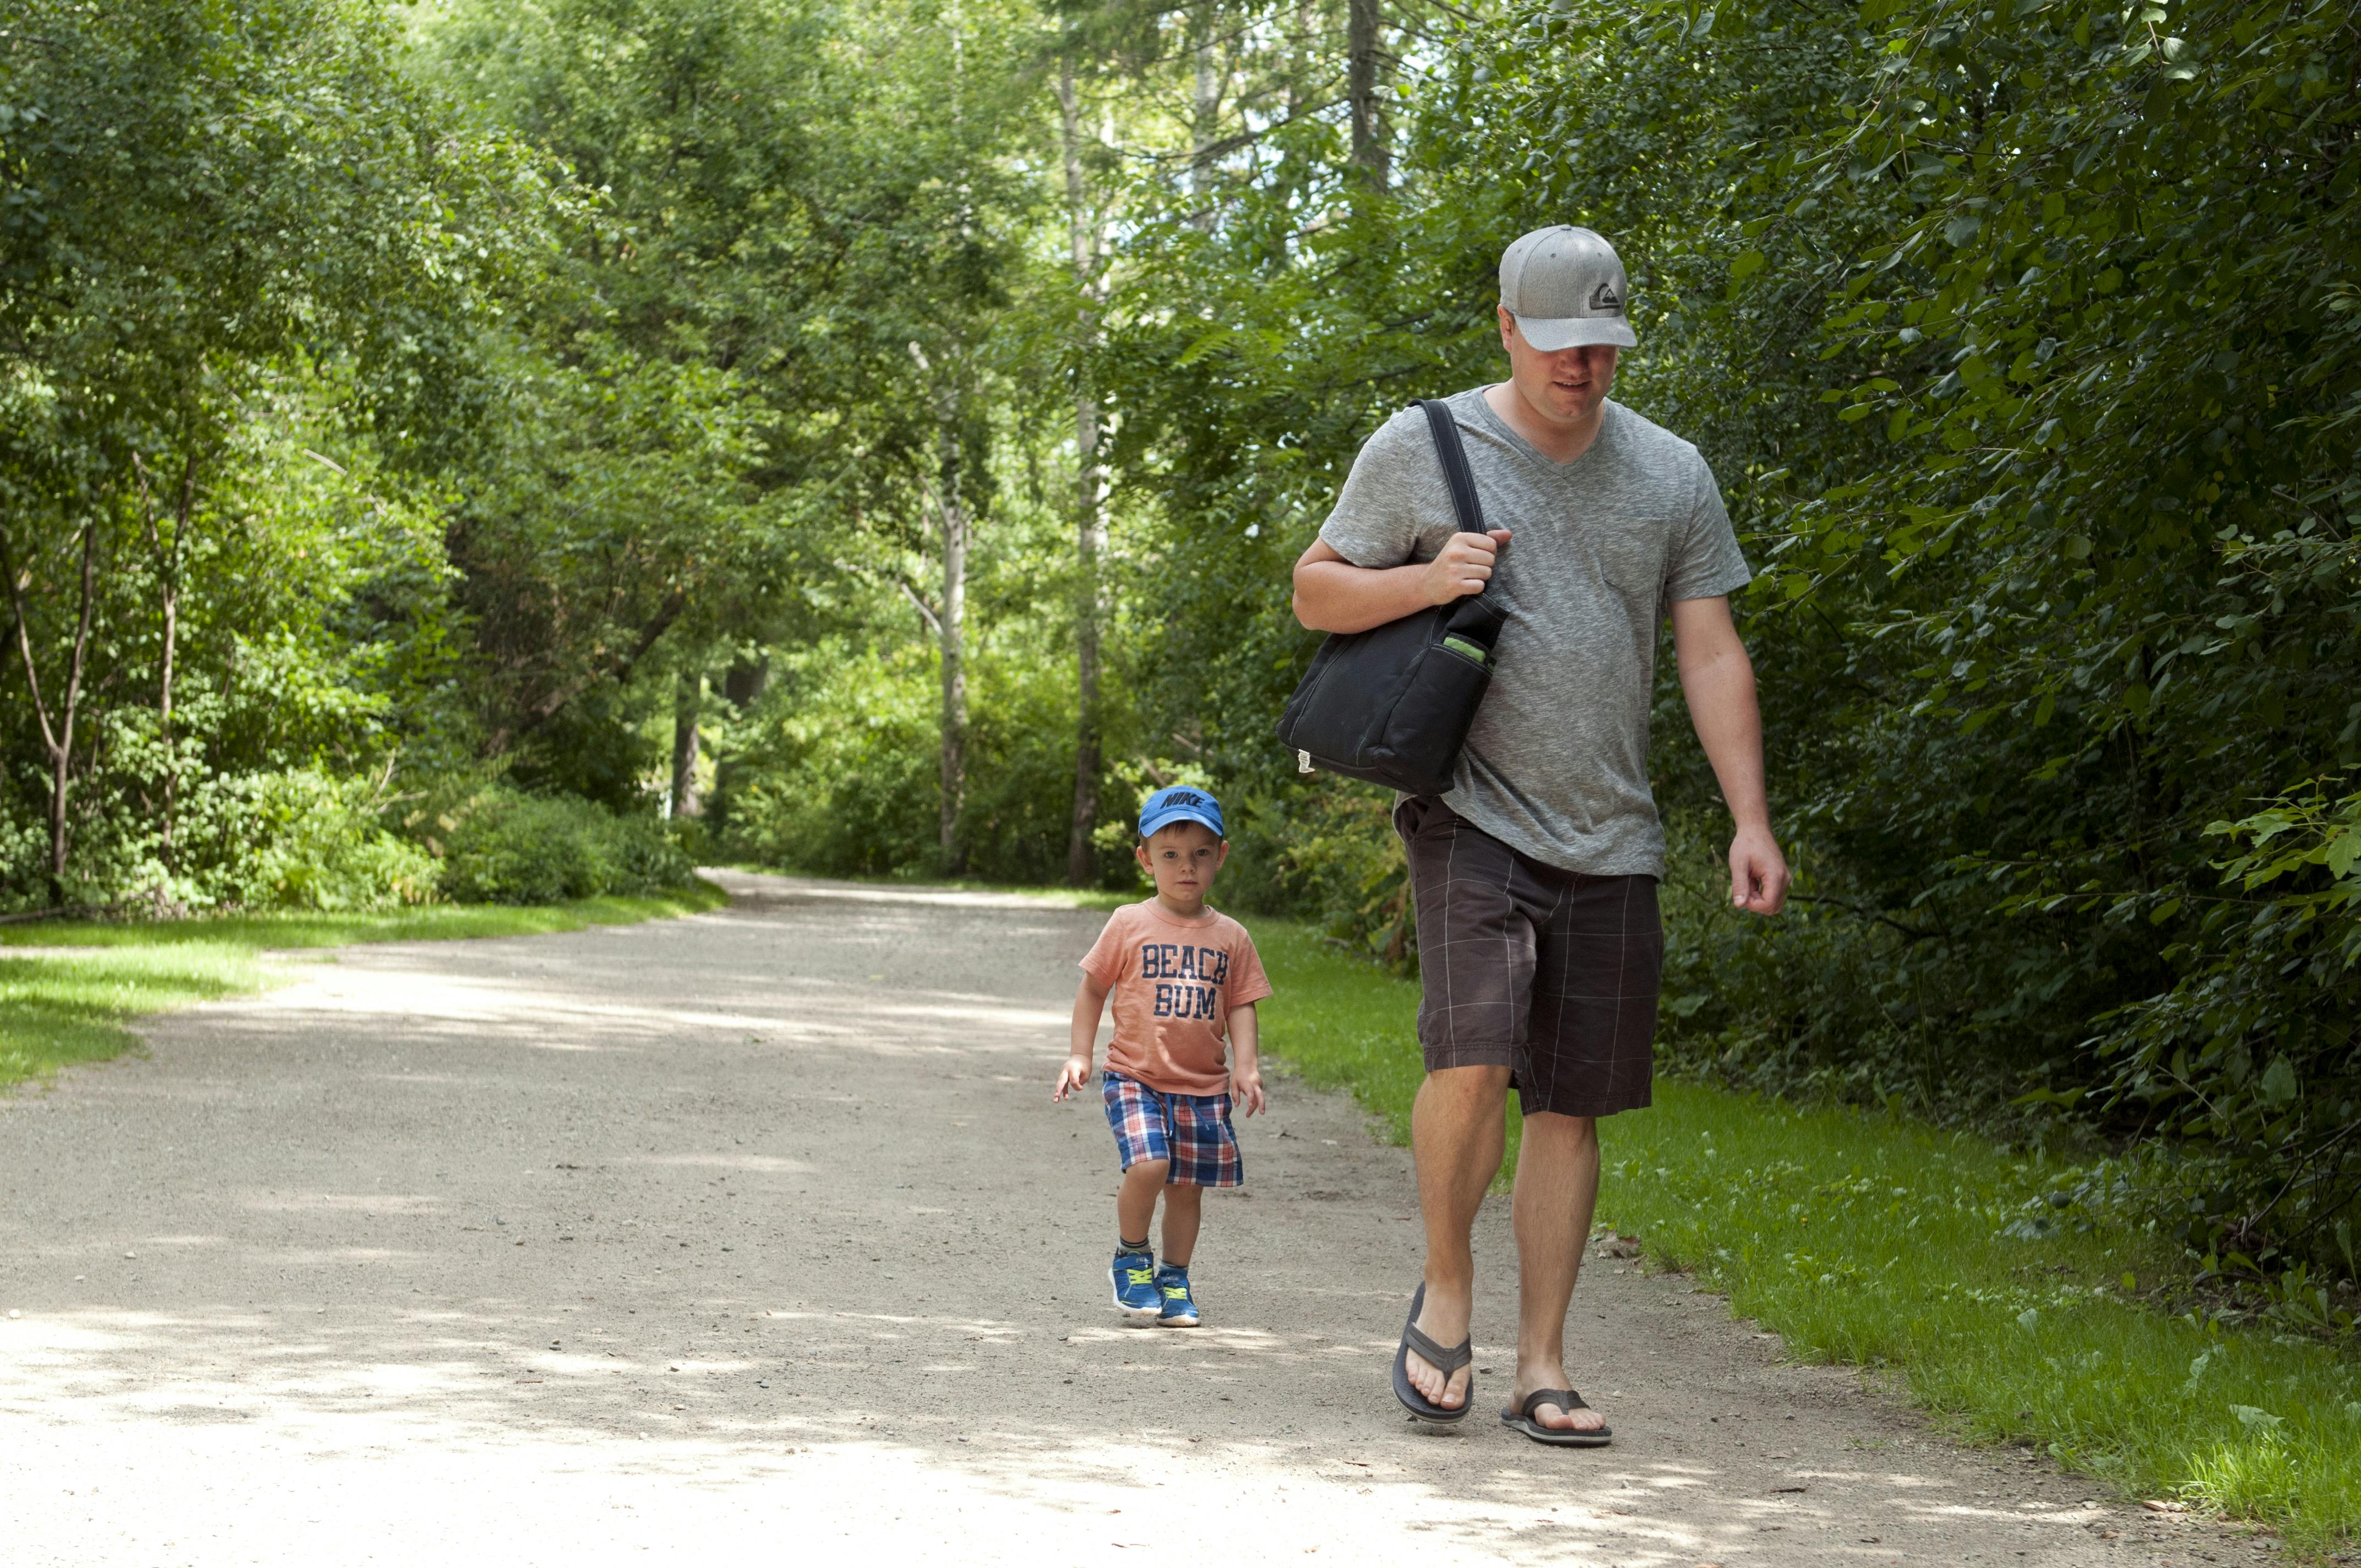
[1605, 298]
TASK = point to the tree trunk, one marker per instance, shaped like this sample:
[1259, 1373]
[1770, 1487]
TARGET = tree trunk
[687, 701]
[57, 731]
[1089, 536]
[1206, 116]
[1364, 44]
[1302, 59]
[1089, 497]
[172, 603]
[953, 514]
[168, 593]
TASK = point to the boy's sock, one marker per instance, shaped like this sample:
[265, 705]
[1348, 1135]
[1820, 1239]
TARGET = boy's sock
[1140, 1247]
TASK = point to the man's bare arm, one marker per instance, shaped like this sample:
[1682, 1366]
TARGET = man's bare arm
[1333, 595]
[1718, 681]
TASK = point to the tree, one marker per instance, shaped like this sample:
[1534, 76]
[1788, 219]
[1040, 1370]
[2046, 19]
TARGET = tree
[1087, 248]
[800, 269]
[198, 196]
[2049, 475]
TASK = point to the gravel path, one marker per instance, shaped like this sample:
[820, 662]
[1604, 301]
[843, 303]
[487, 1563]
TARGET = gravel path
[754, 1233]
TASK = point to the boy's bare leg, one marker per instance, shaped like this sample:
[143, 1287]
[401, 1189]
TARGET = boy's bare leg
[1135, 1200]
[1184, 1210]
[1458, 1133]
[1557, 1186]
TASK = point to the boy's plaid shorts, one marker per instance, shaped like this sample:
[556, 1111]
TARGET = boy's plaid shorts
[1192, 1131]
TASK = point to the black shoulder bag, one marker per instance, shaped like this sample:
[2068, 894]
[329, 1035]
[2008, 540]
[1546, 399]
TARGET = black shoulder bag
[1392, 705]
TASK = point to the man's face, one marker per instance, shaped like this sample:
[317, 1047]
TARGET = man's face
[1564, 387]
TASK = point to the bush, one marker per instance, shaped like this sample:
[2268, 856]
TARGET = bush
[505, 847]
[836, 769]
[292, 840]
[316, 845]
[2052, 497]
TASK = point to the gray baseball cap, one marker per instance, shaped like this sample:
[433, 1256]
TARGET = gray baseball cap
[1566, 287]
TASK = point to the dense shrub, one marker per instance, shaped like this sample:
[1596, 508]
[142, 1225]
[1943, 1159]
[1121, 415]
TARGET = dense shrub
[303, 840]
[837, 770]
[507, 848]
[1324, 850]
[2023, 340]
[292, 840]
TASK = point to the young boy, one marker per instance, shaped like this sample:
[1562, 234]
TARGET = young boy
[1182, 976]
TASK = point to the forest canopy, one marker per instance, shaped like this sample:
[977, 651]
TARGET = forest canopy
[511, 450]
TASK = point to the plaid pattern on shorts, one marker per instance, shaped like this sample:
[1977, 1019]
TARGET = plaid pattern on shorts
[1192, 1131]
[1548, 973]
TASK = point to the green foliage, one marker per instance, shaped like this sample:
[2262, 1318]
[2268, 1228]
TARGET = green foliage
[303, 840]
[2016, 335]
[507, 848]
[834, 769]
[789, 298]
[237, 239]
[2263, 1099]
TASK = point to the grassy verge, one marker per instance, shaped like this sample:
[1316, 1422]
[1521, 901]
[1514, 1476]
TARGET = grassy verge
[1934, 1256]
[58, 1008]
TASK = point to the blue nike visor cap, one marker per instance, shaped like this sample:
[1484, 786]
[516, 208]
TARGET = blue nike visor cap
[1180, 804]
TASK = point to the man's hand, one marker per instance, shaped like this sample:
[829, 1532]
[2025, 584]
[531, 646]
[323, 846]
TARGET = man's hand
[1246, 1090]
[1070, 1078]
[1465, 566]
[1758, 872]
[1718, 680]
[1333, 595]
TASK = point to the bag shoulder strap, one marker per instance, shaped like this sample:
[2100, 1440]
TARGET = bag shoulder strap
[1455, 474]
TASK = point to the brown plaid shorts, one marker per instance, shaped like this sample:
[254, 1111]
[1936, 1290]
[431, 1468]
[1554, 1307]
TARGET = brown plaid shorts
[1552, 973]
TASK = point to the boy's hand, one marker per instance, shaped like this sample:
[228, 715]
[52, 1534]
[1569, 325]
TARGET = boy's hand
[1246, 1090]
[1070, 1078]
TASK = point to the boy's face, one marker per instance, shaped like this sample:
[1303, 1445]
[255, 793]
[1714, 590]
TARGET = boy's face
[1182, 858]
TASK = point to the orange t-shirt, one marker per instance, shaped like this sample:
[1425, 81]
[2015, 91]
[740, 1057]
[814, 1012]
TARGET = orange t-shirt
[1174, 983]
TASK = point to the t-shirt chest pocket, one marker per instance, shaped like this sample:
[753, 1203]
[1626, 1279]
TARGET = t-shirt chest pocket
[1630, 557]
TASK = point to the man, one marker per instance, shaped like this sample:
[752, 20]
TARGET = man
[1535, 874]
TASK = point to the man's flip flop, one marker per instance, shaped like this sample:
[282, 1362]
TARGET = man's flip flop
[1521, 1419]
[1446, 1361]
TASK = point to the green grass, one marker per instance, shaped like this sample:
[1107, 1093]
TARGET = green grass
[59, 1009]
[1936, 1256]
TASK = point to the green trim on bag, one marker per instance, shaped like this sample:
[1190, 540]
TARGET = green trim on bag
[1473, 651]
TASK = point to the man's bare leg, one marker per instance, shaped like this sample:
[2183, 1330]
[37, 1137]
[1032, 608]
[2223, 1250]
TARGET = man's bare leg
[1557, 1187]
[1458, 1133]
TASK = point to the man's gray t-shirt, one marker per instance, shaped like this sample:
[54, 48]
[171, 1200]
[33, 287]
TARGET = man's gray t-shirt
[1556, 764]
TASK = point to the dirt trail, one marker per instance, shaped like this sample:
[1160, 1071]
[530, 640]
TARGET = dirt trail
[753, 1236]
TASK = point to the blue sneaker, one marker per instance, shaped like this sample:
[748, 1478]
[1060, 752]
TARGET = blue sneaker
[1134, 1274]
[1178, 1309]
